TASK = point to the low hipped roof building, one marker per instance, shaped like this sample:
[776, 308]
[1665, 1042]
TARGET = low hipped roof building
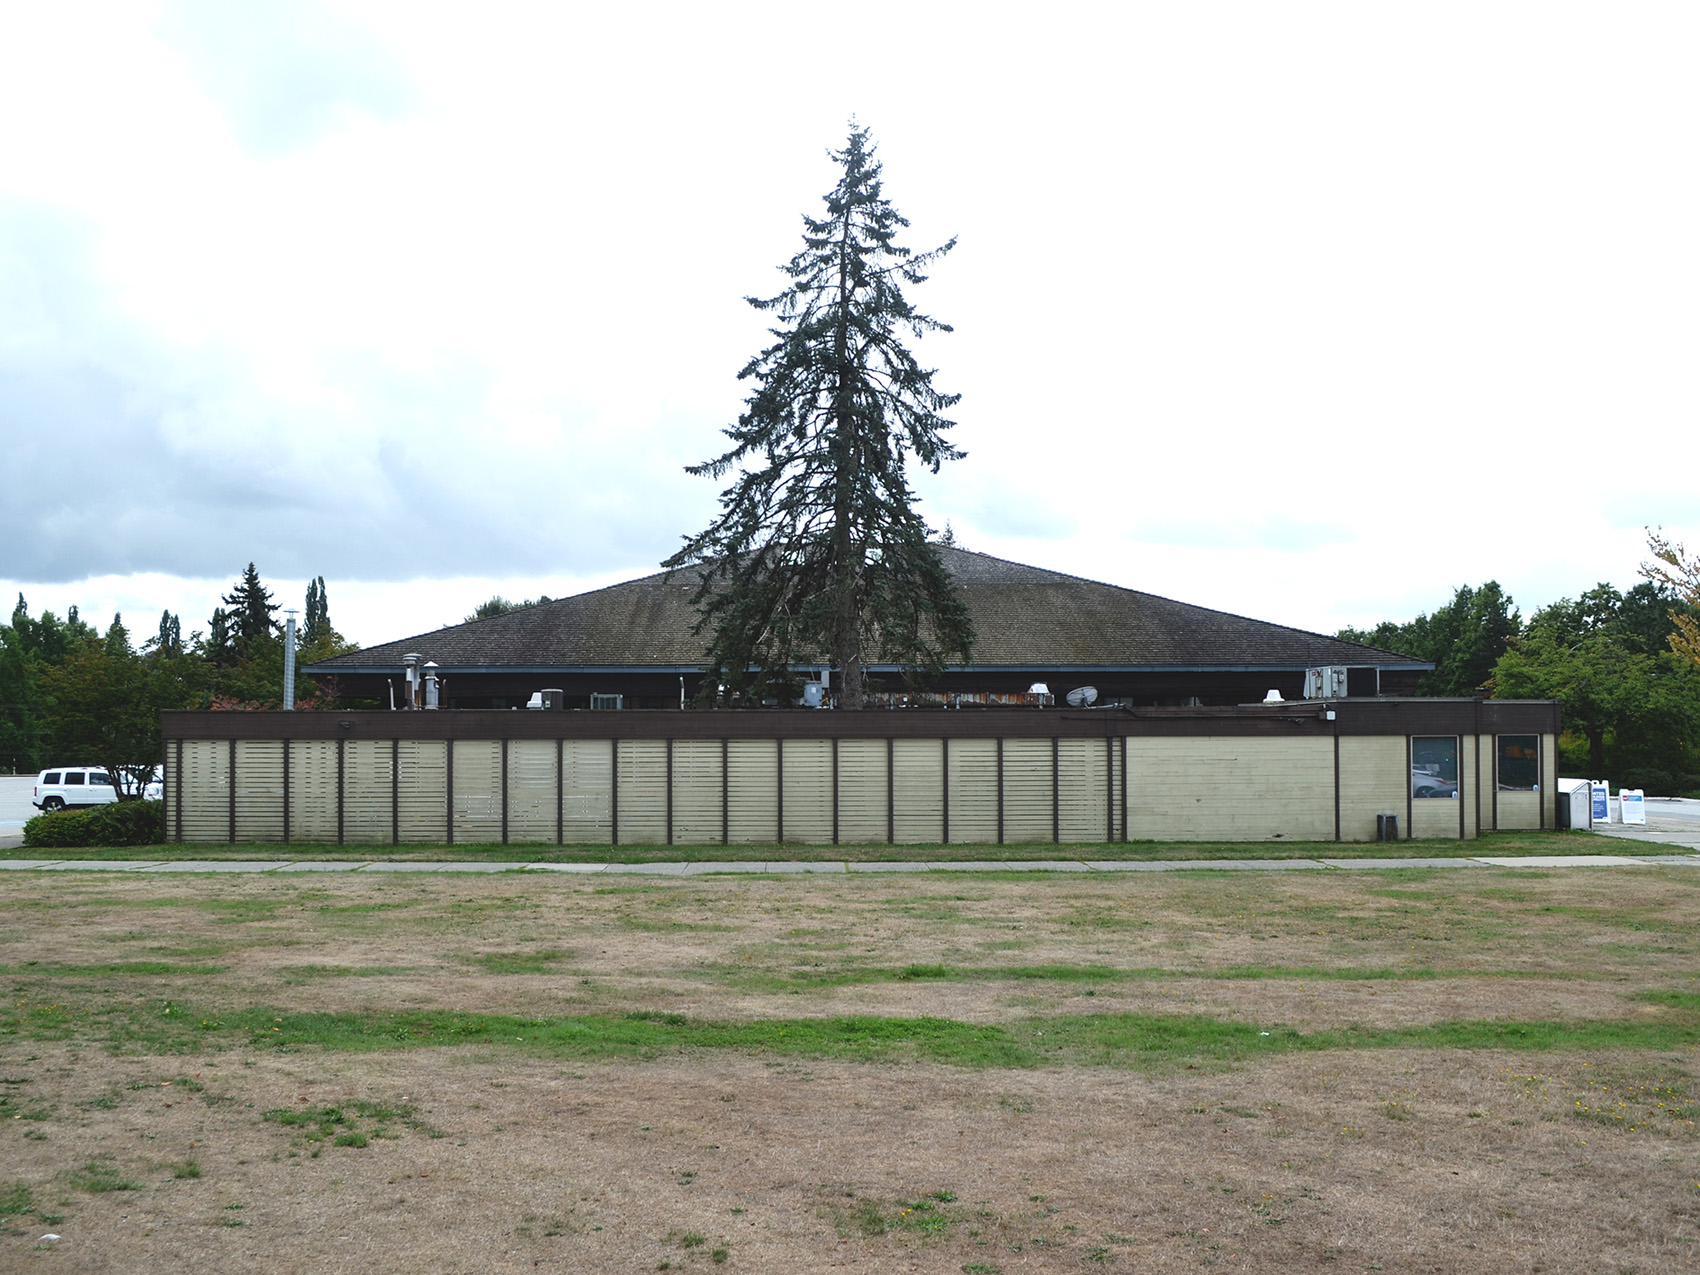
[631, 645]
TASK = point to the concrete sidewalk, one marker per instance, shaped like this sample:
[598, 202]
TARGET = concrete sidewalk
[792, 866]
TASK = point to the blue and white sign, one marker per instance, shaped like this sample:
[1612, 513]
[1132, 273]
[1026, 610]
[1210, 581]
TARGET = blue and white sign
[1602, 801]
[1632, 802]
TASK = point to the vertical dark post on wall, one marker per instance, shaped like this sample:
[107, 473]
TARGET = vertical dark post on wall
[341, 749]
[1336, 780]
[1056, 791]
[835, 790]
[944, 785]
[286, 792]
[1461, 796]
[1109, 788]
[890, 792]
[449, 791]
[1000, 790]
[177, 793]
[1540, 775]
[395, 792]
[1410, 833]
[1124, 789]
[613, 792]
[725, 791]
[560, 790]
[669, 792]
[233, 792]
[779, 790]
[504, 792]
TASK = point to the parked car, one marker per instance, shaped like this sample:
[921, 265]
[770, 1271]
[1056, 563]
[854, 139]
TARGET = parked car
[1424, 784]
[65, 786]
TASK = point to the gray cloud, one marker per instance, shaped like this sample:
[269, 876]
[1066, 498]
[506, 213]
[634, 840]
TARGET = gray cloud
[128, 455]
[284, 72]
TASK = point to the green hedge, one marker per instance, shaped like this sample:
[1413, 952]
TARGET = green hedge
[121, 823]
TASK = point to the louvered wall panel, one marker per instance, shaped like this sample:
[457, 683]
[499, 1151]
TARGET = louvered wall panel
[312, 790]
[917, 780]
[973, 790]
[478, 791]
[752, 791]
[587, 780]
[1027, 790]
[696, 792]
[531, 790]
[206, 790]
[808, 791]
[1083, 782]
[643, 792]
[862, 791]
[259, 790]
[422, 801]
[367, 792]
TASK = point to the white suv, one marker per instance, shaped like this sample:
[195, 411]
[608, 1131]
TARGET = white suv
[81, 786]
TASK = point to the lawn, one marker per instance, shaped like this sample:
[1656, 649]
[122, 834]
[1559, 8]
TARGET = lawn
[1400, 1069]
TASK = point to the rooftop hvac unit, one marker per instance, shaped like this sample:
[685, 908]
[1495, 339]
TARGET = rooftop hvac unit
[1327, 682]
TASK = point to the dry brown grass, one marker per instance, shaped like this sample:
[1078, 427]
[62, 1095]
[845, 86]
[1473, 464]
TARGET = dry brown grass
[1399, 1160]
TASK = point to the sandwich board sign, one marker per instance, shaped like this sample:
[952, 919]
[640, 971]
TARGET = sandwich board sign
[1602, 801]
[1632, 803]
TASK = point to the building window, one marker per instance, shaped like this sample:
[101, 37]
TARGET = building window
[1434, 766]
[1519, 763]
[607, 701]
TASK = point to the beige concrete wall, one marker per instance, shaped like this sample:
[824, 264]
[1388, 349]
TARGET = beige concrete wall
[917, 768]
[368, 792]
[312, 790]
[587, 785]
[1225, 788]
[697, 792]
[259, 790]
[642, 803]
[421, 801]
[1084, 778]
[808, 791]
[206, 790]
[862, 807]
[1027, 791]
[478, 790]
[753, 796]
[1375, 779]
[1231, 789]
[531, 790]
[973, 791]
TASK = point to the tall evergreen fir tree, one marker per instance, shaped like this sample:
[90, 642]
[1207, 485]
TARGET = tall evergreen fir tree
[818, 550]
[251, 609]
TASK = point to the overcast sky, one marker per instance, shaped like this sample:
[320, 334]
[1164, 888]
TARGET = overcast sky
[1311, 312]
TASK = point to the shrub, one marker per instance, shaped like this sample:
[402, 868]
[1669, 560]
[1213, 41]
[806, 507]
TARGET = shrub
[121, 823]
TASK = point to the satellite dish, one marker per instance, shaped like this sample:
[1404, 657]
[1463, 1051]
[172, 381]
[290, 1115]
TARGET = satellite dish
[1083, 697]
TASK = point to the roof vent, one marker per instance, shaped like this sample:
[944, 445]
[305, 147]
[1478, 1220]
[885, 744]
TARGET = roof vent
[1274, 697]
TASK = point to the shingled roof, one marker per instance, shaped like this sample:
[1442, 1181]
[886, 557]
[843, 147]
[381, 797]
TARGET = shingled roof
[1024, 617]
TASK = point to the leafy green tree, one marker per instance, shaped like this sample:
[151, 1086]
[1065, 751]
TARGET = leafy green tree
[1673, 569]
[498, 605]
[20, 706]
[1463, 639]
[316, 620]
[819, 549]
[104, 700]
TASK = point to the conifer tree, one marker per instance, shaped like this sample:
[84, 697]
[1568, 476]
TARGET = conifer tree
[251, 609]
[316, 623]
[819, 550]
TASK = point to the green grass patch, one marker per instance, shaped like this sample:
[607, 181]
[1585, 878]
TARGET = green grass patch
[542, 962]
[97, 1177]
[1134, 1041]
[16, 1198]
